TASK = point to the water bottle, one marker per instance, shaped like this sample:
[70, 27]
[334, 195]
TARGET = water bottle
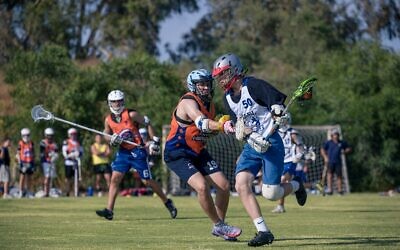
[90, 191]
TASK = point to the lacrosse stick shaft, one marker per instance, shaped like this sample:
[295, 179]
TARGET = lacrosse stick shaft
[76, 182]
[79, 169]
[92, 130]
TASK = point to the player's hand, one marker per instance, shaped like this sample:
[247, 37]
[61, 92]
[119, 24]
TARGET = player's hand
[258, 143]
[277, 110]
[283, 119]
[154, 146]
[115, 140]
[226, 124]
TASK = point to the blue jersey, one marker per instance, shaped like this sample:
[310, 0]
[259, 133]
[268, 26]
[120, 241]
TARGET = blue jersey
[334, 150]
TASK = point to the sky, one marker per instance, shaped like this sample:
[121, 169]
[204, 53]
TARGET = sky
[173, 28]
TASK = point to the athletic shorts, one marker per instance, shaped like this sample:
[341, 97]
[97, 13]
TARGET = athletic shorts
[185, 165]
[135, 158]
[49, 170]
[26, 168]
[104, 168]
[335, 168]
[270, 162]
[4, 173]
[289, 167]
[70, 170]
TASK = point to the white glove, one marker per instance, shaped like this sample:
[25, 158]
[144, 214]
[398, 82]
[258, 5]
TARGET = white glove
[115, 140]
[73, 155]
[241, 131]
[154, 146]
[258, 143]
[282, 120]
[277, 109]
[53, 156]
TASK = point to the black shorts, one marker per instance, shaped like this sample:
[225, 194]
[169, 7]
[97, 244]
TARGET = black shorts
[70, 171]
[335, 168]
[102, 169]
[26, 168]
[185, 165]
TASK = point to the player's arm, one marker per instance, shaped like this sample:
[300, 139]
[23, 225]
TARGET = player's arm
[324, 154]
[192, 111]
[42, 150]
[93, 150]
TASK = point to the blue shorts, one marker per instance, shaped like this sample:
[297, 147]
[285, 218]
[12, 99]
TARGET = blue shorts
[270, 162]
[301, 174]
[135, 158]
[290, 168]
[185, 165]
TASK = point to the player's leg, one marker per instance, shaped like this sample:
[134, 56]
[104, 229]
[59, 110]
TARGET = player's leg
[329, 178]
[338, 171]
[116, 179]
[21, 184]
[221, 184]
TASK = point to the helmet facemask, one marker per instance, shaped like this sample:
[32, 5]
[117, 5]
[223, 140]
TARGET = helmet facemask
[227, 70]
[204, 89]
[226, 78]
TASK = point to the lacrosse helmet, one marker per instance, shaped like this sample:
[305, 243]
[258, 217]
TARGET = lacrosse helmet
[72, 131]
[227, 69]
[200, 77]
[25, 132]
[115, 101]
[48, 132]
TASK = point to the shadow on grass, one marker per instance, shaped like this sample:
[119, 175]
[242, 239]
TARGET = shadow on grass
[344, 241]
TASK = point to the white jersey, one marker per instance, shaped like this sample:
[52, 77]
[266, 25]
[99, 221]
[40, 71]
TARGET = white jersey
[290, 147]
[255, 116]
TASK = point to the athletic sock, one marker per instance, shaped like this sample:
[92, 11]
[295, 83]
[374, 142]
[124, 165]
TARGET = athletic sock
[295, 186]
[260, 224]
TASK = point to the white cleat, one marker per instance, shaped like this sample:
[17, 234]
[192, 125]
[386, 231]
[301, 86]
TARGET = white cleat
[279, 210]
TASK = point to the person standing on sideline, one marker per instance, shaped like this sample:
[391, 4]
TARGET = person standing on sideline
[48, 157]
[26, 160]
[185, 154]
[5, 166]
[101, 162]
[123, 124]
[293, 154]
[72, 152]
[255, 106]
[331, 152]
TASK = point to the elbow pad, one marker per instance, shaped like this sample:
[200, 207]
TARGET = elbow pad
[202, 124]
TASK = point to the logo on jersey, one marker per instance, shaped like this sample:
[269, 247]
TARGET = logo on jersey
[252, 121]
[126, 134]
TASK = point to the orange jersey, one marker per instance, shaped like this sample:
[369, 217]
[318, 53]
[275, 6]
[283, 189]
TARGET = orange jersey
[189, 137]
[126, 128]
[46, 148]
[25, 151]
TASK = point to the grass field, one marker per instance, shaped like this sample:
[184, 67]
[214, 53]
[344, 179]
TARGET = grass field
[363, 221]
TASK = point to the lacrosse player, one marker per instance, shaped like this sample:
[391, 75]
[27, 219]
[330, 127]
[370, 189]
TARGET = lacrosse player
[293, 154]
[331, 152]
[185, 154]
[26, 160]
[5, 166]
[255, 105]
[72, 152]
[123, 124]
[48, 157]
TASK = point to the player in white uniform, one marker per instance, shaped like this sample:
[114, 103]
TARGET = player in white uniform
[293, 153]
[256, 104]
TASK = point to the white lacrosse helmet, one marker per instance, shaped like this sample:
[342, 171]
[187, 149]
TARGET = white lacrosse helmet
[25, 131]
[72, 131]
[116, 96]
[226, 70]
[200, 76]
[48, 132]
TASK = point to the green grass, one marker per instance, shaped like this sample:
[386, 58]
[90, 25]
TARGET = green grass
[363, 221]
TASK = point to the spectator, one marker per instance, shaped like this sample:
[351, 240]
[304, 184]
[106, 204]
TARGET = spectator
[26, 160]
[331, 152]
[48, 157]
[5, 166]
[101, 162]
[72, 152]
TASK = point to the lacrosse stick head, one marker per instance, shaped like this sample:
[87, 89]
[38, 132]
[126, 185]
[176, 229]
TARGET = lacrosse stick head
[39, 113]
[304, 91]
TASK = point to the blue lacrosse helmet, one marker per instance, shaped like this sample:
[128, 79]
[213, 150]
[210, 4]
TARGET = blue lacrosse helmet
[200, 77]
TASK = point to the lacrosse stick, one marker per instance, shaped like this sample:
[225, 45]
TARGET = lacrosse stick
[76, 180]
[39, 113]
[304, 88]
[321, 185]
[79, 169]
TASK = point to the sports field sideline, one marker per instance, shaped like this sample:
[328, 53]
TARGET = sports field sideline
[355, 221]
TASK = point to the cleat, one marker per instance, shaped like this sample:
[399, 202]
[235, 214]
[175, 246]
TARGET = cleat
[278, 210]
[171, 208]
[108, 214]
[227, 232]
[301, 194]
[261, 238]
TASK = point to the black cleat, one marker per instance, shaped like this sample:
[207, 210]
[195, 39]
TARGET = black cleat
[108, 214]
[301, 194]
[261, 238]
[171, 208]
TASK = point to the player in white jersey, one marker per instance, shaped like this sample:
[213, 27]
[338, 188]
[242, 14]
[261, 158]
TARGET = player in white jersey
[293, 153]
[256, 105]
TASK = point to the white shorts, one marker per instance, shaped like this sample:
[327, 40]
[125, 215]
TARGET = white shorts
[49, 170]
[4, 173]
